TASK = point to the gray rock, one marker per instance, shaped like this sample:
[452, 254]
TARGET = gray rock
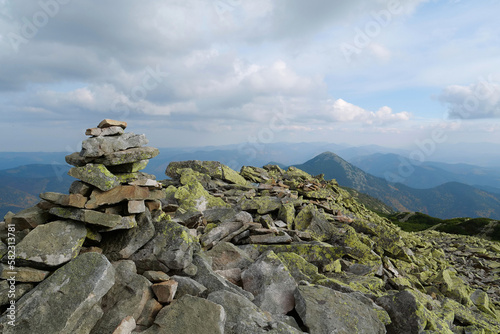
[215, 169]
[155, 276]
[127, 297]
[30, 218]
[111, 131]
[171, 248]
[20, 290]
[271, 238]
[188, 286]
[122, 244]
[244, 317]
[271, 283]
[62, 302]
[128, 156]
[51, 244]
[189, 315]
[73, 200]
[95, 174]
[214, 282]
[324, 310]
[219, 232]
[98, 146]
[225, 255]
[88, 216]
[80, 187]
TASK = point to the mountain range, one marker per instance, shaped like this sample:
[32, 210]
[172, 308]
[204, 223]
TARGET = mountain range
[448, 200]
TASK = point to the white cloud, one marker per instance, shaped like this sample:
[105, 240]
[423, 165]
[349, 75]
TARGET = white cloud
[478, 100]
[342, 111]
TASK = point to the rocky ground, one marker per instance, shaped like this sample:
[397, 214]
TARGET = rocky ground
[212, 250]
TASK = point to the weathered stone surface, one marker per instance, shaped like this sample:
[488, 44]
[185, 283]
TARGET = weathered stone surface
[128, 156]
[136, 206]
[189, 315]
[271, 283]
[149, 312]
[51, 244]
[74, 159]
[122, 244]
[63, 301]
[95, 174]
[98, 146]
[106, 123]
[188, 286]
[214, 282]
[262, 205]
[126, 326]
[127, 297]
[271, 238]
[130, 167]
[117, 195]
[29, 218]
[81, 188]
[126, 223]
[73, 200]
[165, 291]
[219, 232]
[111, 131]
[171, 248]
[156, 276]
[324, 310]
[23, 274]
[214, 169]
[254, 174]
[244, 317]
[87, 216]
[225, 255]
[287, 214]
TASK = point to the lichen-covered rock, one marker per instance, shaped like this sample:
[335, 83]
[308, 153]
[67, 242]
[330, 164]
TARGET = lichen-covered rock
[287, 214]
[171, 248]
[95, 174]
[51, 244]
[127, 297]
[262, 205]
[65, 300]
[225, 255]
[214, 169]
[219, 232]
[255, 174]
[271, 283]
[122, 244]
[189, 315]
[30, 218]
[324, 310]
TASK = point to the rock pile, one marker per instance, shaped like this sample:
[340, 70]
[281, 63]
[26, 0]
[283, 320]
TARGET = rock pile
[211, 250]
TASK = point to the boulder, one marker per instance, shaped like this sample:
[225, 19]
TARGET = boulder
[65, 300]
[123, 243]
[188, 286]
[30, 218]
[127, 297]
[189, 315]
[324, 310]
[244, 317]
[95, 174]
[106, 123]
[214, 169]
[51, 244]
[271, 283]
[225, 255]
[165, 291]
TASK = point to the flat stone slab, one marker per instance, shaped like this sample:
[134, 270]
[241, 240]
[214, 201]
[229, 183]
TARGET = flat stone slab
[95, 174]
[98, 146]
[117, 195]
[111, 131]
[51, 244]
[128, 156]
[106, 123]
[130, 167]
[23, 274]
[87, 216]
[73, 200]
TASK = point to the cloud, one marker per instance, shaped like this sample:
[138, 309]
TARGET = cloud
[342, 111]
[478, 100]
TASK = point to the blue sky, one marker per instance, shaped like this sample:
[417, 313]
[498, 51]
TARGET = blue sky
[196, 73]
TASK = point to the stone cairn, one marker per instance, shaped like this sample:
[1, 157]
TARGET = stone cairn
[211, 251]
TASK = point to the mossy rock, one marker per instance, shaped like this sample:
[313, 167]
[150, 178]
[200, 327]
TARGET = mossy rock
[262, 205]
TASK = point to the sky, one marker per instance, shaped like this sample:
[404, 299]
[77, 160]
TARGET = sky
[215, 72]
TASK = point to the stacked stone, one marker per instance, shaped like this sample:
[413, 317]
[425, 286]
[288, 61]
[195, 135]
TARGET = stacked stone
[111, 188]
